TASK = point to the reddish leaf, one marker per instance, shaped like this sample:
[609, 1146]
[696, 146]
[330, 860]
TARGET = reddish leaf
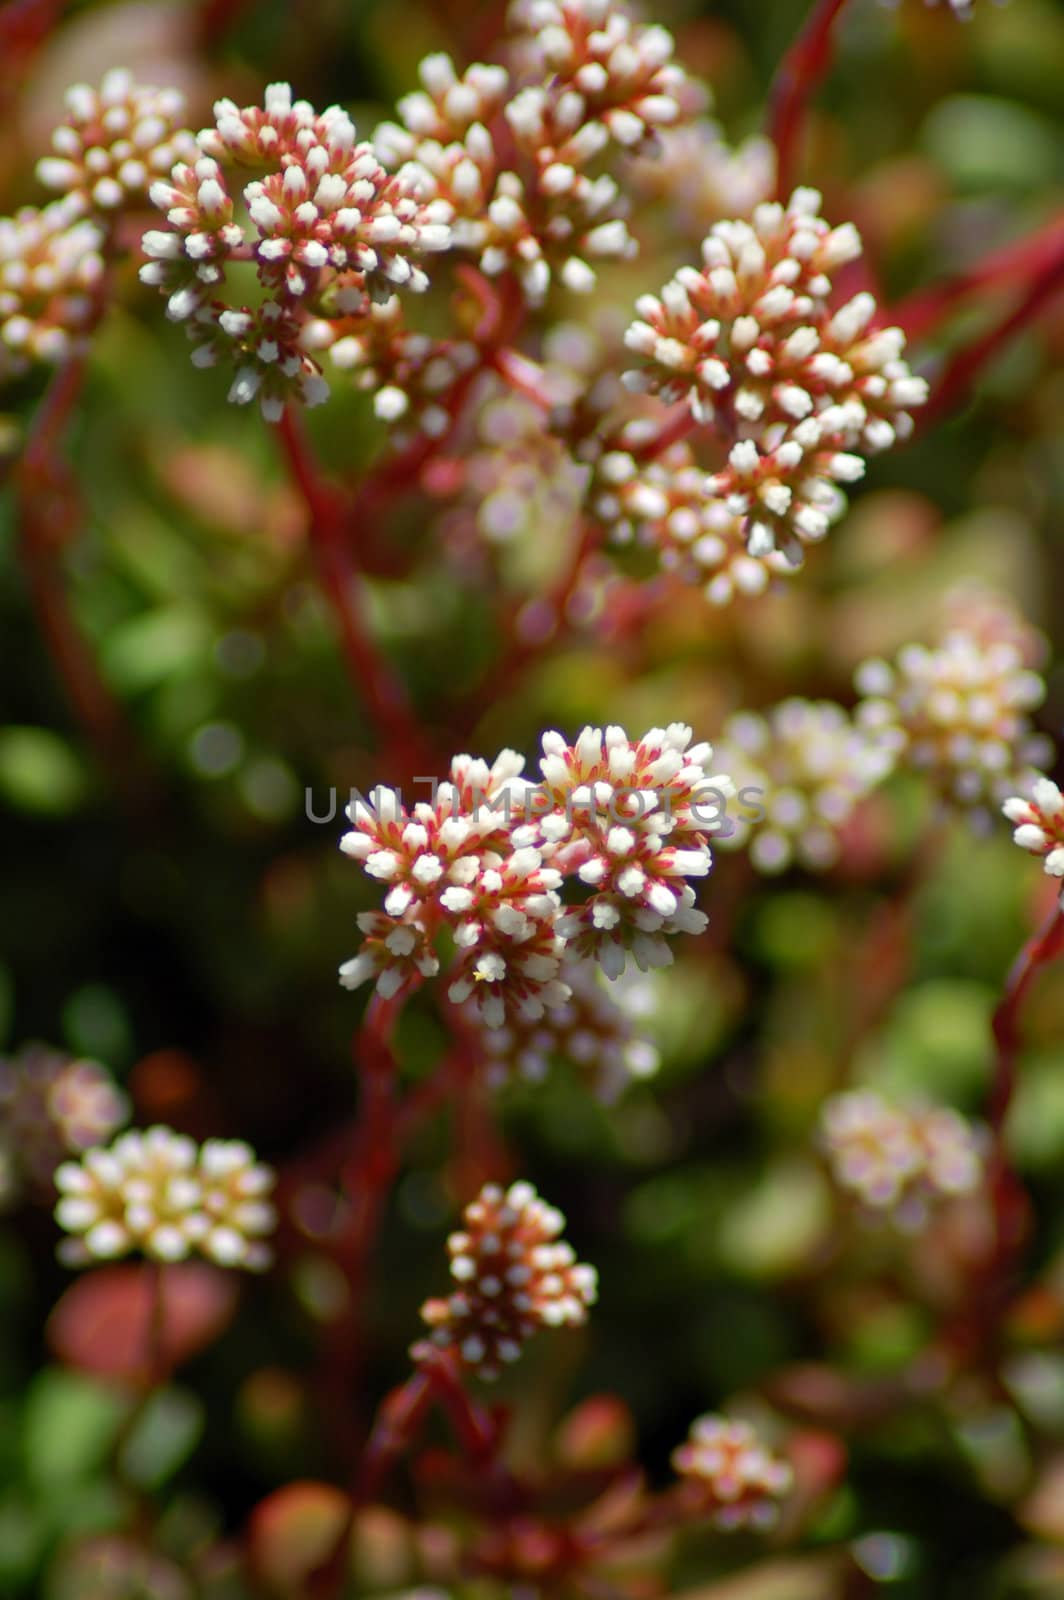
[600, 1432]
[294, 1532]
[103, 1322]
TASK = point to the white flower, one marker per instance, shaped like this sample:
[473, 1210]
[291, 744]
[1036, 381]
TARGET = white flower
[512, 1276]
[600, 1029]
[1038, 823]
[162, 1194]
[51, 275]
[114, 141]
[801, 391]
[730, 1476]
[899, 1161]
[804, 766]
[957, 711]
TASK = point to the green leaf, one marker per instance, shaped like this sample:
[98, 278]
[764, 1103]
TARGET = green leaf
[95, 1024]
[163, 1437]
[70, 1427]
[160, 644]
[39, 772]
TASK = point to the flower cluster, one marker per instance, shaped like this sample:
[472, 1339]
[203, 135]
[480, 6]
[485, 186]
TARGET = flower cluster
[730, 1476]
[1038, 824]
[327, 230]
[588, 78]
[898, 1161]
[512, 1277]
[625, 822]
[662, 505]
[596, 1029]
[113, 141]
[808, 766]
[958, 711]
[605, 71]
[750, 342]
[50, 1107]
[162, 1194]
[631, 821]
[51, 274]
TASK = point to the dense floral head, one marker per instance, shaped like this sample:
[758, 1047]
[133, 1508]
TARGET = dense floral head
[162, 1194]
[804, 766]
[701, 178]
[512, 1277]
[662, 504]
[729, 1476]
[797, 388]
[958, 712]
[114, 141]
[630, 821]
[899, 1161]
[52, 1106]
[325, 225]
[607, 74]
[413, 378]
[51, 278]
[617, 825]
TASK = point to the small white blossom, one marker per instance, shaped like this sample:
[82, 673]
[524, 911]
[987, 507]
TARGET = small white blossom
[162, 1194]
[805, 766]
[512, 1274]
[114, 141]
[1038, 823]
[899, 1161]
[729, 1476]
[50, 1107]
[329, 230]
[600, 1029]
[606, 72]
[662, 504]
[51, 277]
[800, 391]
[958, 711]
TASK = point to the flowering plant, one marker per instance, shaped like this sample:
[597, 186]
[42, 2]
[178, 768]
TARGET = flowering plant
[347, 438]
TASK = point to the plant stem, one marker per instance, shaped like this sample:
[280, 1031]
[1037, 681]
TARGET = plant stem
[955, 383]
[797, 79]
[922, 312]
[378, 686]
[1007, 1196]
[524, 376]
[678, 424]
[399, 1420]
[46, 501]
[366, 1179]
[531, 626]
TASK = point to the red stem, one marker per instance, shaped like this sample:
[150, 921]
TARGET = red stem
[679, 422]
[398, 1423]
[523, 376]
[922, 312]
[955, 383]
[366, 1179]
[531, 626]
[1007, 1196]
[799, 76]
[42, 486]
[377, 685]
